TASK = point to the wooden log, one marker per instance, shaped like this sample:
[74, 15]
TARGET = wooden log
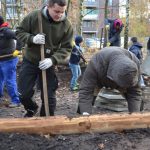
[65, 125]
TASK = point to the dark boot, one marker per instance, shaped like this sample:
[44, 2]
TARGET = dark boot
[93, 101]
[78, 110]
[42, 112]
[142, 106]
[31, 113]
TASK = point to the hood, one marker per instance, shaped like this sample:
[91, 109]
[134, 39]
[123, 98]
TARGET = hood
[44, 10]
[78, 40]
[5, 24]
[138, 44]
[123, 71]
[117, 21]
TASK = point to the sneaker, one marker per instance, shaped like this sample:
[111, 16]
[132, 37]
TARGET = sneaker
[77, 84]
[13, 105]
[74, 88]
[4, 102]
[143, 85]
[2, 98]
[31, 113]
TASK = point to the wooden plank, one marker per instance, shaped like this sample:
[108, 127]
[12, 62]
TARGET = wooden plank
[65, 125]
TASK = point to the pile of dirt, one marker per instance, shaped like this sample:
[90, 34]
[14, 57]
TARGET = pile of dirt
[127, 140]
[66, 105]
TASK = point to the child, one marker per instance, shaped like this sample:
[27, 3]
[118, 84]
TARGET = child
[74, 60]
[136, 49]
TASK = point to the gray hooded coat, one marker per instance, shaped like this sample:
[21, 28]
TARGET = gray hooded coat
[112, 67]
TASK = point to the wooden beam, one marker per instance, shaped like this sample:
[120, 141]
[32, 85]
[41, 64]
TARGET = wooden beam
[65, 125]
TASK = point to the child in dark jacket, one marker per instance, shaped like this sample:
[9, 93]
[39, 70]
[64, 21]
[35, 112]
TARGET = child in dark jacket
[148, 45]
[74, 63]
[136, 48]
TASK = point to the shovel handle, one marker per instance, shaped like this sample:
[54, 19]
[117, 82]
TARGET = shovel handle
[5, 56]
[45, 93]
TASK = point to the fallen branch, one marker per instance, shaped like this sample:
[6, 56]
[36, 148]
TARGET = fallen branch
[65, 125]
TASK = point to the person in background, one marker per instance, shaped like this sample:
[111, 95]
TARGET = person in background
[74, 65]
[148, 45]
[115, 27]
[136, 49]
[57, 39]
[8, 64]
[115, 68]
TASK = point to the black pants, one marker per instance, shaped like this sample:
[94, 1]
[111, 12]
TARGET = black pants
[27, 79]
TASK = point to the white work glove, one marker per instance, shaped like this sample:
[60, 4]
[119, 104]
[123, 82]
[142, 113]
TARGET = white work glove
[45, 64]
[107, 27]
[39, 39]
[85, 114]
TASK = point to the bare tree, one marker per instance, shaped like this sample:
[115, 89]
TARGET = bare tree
[3, 8]
[126, 26]
[81, 16]
[139, 15]
[16, 10]
[105, 17]
[74, 12]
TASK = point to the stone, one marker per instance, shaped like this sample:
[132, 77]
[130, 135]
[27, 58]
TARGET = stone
[112, 100]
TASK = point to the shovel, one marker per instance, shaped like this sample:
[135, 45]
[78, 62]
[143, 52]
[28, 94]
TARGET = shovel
[10, 55]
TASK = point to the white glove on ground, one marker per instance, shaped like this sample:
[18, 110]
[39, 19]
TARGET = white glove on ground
[39, 39]
[45, 64]
[85, 114]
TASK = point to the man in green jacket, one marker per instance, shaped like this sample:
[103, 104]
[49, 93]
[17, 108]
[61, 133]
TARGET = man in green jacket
[57, 39]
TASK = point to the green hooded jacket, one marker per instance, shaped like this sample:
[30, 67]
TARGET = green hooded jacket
[58, 37]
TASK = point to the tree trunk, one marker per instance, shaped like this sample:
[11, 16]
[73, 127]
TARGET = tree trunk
[105, 17]
[3, 9]
[84, 124]
[126, 26]
[81, 16]
[69, 1]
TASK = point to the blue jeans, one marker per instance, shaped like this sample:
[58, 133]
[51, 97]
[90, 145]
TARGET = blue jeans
[8, 78]
[76, 72]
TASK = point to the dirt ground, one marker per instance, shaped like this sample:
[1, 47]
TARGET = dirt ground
[138, 139]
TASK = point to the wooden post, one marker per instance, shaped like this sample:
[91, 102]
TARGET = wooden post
[85, 124]
[45, 93]
[101, 38]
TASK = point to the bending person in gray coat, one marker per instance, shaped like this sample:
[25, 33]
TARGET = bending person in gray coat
[115, 68]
